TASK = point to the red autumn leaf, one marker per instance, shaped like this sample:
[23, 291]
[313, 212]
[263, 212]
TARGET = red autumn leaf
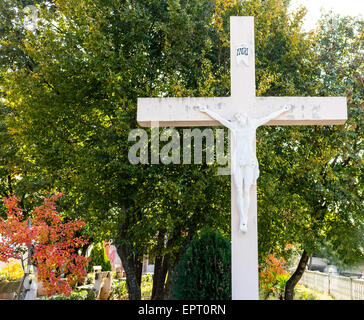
[55, 243]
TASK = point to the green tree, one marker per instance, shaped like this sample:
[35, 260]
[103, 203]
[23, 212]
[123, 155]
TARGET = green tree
[340, 51]
[204, 272]
[99, 258]
[73, 105]
[19, 174]
[70, 95]
[311, 181]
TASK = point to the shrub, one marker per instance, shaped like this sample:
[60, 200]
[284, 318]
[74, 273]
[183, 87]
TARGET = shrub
[54, 241]
[273, 277]
[147, 286]
[99, 258]
[90, 278]
[75, 295]
[204, 272]
[118, 290]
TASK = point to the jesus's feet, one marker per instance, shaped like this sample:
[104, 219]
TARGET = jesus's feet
[243, 227]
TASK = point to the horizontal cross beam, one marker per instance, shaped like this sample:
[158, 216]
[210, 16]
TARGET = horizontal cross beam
[183, 112]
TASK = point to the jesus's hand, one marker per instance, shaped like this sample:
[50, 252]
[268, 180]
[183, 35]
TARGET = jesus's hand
[287, 108]
[202, 108]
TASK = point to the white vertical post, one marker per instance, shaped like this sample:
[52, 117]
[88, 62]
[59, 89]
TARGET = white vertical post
[328, 282]
[242, 59]
[244, 245]
[244, 258]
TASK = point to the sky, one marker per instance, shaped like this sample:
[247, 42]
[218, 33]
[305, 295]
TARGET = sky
[342, 7]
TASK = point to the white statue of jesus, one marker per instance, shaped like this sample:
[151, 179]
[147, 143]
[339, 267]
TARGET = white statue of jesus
[244, 163]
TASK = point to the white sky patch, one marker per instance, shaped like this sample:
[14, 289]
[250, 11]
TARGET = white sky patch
[315, 7]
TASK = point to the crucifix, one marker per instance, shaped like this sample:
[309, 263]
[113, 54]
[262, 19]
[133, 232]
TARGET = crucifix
[242, 113]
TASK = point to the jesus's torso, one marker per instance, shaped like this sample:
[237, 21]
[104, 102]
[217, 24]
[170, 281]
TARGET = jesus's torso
[244, 154]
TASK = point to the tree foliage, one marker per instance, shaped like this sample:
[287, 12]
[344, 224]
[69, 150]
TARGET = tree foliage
[204, 272]
[55, 244]
[69, 89]
[311, 181]
[73, 104]
[98, 257]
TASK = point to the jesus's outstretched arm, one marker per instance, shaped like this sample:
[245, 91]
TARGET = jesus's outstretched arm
[273, 115]
[216, 116]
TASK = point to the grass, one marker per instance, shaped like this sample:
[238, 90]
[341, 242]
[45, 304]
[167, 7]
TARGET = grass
[301, 292]
[119, 292]
[304, 293]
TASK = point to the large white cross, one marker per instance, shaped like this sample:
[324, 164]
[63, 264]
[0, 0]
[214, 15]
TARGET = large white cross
[182, 112]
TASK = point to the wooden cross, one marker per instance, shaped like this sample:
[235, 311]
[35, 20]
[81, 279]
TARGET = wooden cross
[182, 112]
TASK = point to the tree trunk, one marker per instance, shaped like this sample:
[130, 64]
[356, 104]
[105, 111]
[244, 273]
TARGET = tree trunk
[25, 286]
[160, 269]
[168, 285]
[159, 281]
[85, 248]
[164, 265]
[296, 276]
[138, 269]
[156, 276]
[132, 281]
[171, 267]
